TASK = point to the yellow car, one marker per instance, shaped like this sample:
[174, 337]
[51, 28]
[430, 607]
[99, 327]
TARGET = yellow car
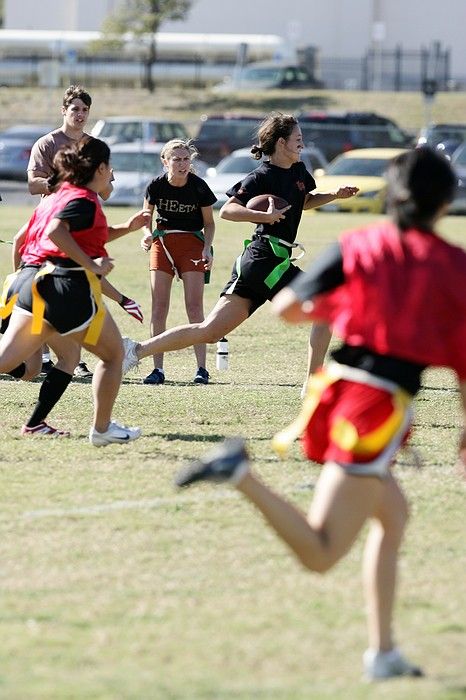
[364, 168]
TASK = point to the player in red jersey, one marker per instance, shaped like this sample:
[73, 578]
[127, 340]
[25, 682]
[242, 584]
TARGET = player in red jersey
[67, 236]
[394, 292]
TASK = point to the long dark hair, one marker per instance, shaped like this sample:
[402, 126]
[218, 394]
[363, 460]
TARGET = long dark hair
[274, 127]
[420, 182]
[78, 163]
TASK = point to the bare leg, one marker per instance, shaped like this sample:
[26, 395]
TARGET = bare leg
[19, 345]
[319, 340]
[160, 284]
[228, 313]
[380, 564]
[107, 374]
[341, 505]
[193, 298]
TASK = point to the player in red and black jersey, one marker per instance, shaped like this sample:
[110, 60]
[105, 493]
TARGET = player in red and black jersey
[394, 293]
[67, 236]
[265, 266]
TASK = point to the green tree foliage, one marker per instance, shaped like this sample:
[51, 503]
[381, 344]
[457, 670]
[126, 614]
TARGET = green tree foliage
[142, 18]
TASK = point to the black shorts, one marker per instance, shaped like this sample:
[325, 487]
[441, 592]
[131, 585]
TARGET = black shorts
[23, 276]
[69, 302]
[255, 265]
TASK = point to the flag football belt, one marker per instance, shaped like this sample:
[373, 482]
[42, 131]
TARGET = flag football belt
[6, 305]
[332, 373]
[280, 250]
[159, 233]
[38, 303]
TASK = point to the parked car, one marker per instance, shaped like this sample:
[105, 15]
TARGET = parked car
[15, 148]
[237, 165]
[364, 168]
[269, 75]
[134, 166]
[130, 129]
[337, 132]
[220, 134]
[444, 137]
[458, 161]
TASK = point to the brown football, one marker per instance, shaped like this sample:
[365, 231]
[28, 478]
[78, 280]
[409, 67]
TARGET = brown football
[261, 202]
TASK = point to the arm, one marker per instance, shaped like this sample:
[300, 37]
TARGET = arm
[234, 210]
[134, 223]
[129, 305]
[146, 240]
[318, 199]
[287, 306]
[18, 241]
[59, 233]
[209, 232]
[38, 182]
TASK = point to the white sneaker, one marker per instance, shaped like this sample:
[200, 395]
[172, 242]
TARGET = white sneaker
[387, 664]
[130, 359]
[114, 434]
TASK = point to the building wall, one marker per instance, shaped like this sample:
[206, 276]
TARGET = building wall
[339, 28]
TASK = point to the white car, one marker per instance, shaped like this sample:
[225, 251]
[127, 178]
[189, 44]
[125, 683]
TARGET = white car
[134, 166]
[234, 168]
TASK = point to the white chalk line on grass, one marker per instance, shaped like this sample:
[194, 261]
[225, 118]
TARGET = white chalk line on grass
[148, 504]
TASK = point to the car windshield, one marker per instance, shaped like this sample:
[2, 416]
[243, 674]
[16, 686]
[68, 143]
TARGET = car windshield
[358, 166]
[137, 162]
[445, 133]
[261, 74]
[239, 164]
[460, 157]
[234, 130]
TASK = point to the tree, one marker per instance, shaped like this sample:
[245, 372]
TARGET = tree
[143, 17]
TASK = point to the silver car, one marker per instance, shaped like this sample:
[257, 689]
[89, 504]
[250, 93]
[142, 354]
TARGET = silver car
[134, 166]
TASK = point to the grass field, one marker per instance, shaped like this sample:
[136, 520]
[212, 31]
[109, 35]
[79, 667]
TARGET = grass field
[114, 586]
[188, 104]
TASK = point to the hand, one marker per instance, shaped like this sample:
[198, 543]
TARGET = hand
[146, 242]
[140, 219]
[346, 192]
[207, 258]
[132, 308]
[275, 214]
[102, 266]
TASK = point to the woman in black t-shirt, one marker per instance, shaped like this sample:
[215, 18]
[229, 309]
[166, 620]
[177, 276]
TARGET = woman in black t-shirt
[265, 266]
[180, 245]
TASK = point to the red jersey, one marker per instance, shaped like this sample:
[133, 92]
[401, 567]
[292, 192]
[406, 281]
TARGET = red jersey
[403, 296]
[38, 247]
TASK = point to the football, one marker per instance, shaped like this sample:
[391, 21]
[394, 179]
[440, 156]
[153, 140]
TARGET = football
[261, 202]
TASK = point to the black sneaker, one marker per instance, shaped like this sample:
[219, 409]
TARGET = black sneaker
[202, 376]
[47, 366]
[82, 371]
[155, 377]
[228, 462]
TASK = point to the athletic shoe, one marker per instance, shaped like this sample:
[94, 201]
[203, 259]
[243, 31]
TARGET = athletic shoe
[155, 377]
[115, 433]
[202, 376]
[44, 429]
[82, 371]
[227, 463]
[47, 365]
[130, 359]
[388, 664]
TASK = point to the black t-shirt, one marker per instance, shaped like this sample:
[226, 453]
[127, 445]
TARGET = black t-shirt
[78, 213]
[179, 208]
[290, 183]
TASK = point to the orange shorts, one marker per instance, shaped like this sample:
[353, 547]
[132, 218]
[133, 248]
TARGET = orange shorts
[184, 248]
[356, 424]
